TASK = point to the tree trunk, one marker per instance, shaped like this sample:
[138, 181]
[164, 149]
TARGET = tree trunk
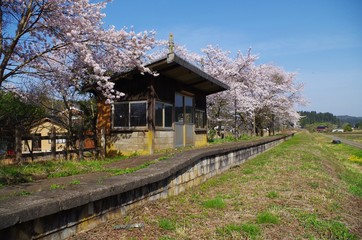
[254, 126]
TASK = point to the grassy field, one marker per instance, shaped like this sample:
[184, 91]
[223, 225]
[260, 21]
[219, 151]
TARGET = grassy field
[305, 188]
[353, 136]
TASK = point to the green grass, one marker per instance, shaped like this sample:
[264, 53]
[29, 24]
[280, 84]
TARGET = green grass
[304, 188]
[75, 182]
[215, 203]
[216, 181]
[232, 231]
[251, 231]
[247, 171]
[23, 193]
[55, 186]
[227, 230]
[267, 217]
[272, 194]
[333, 229]
[349, 171]
[354, 180]
[167, 224]
[15, 174]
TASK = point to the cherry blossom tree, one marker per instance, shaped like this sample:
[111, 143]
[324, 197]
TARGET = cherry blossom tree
[273, 94]
[34, 33]
[260, 96]
[227, 108]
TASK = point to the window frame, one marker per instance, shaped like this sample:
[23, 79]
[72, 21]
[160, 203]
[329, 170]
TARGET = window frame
[129, 127]
[203, 119]
[164, 115]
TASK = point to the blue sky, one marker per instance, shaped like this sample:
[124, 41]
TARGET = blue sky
[321, 40]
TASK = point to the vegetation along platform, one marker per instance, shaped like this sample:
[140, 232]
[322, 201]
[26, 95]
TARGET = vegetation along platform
[60, 212]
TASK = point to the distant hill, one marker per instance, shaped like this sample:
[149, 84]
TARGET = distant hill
[314, 117]
[349, 119]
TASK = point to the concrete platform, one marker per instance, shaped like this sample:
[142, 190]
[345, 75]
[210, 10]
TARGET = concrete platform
[60, 213]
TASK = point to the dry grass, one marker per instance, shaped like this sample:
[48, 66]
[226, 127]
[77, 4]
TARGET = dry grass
[294, 191]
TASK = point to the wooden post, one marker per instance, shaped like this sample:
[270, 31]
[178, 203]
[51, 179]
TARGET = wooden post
[53, 143]
[18, 151]
[66, 149]
[151, 120]
[81, 145]
[102, 142]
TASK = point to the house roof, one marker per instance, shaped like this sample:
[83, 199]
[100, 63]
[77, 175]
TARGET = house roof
[175, 67]
[52, 119]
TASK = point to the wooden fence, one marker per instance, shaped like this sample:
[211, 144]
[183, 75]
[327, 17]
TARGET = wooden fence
[73, 146]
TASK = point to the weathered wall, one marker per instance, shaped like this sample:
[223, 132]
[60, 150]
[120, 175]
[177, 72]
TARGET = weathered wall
[200, 139]
[59, 215]
[163, 140]
[129, 142]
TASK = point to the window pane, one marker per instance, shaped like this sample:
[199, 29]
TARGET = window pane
[121, 115]
[37, 142]
[159, 114]
[179, 108]
[168, 115]
[189, 115]
[138, 114]
[199, 119]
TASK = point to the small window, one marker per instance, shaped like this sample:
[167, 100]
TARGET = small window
[163, 115]
[200, 119]
[36, 142]
[168, 115]
[159, 114]
[138, 112]
[179, 108]
[189, 109]
[129, 114]
[58, 141]
[121, 115]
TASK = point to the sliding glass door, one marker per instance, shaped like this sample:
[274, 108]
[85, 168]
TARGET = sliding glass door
[184, 120]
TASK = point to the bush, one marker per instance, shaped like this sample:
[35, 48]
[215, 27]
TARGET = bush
[347, 128]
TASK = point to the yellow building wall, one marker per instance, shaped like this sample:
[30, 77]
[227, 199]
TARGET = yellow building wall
[200, 139]
[44, 129]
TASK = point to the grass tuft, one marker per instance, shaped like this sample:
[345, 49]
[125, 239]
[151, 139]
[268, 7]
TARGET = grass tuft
[75, 182]
[215, 203]
[251, 231]
[227, 230]
[55, 186]
[331, 228]
[167, 224]
[272, 194]
[267, 217]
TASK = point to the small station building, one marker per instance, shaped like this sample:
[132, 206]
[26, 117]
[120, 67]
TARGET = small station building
[158, 112]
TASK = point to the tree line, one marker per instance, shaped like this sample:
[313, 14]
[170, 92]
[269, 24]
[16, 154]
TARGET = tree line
[314, 117]
[311, 120]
